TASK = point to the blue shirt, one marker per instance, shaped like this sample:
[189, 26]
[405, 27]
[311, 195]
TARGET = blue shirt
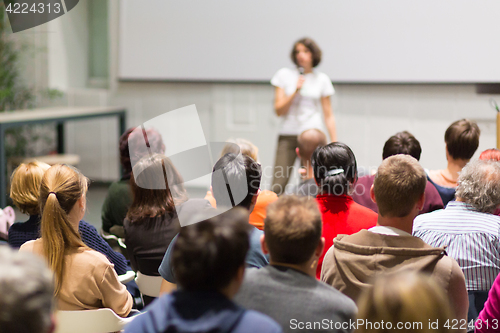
[472, 238]
[255, 257]
[201, 311]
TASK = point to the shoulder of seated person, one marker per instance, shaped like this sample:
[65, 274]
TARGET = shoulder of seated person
[28, 246]
[256, 319]
[96, 258]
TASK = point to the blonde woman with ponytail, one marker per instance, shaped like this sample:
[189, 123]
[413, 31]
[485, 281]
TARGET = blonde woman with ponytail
[84, 278]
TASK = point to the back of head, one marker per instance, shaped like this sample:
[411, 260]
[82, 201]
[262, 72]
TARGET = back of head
[156, 187]
[27, 291]
[293, 229]
[124, 152]
[235, 180]
[62, 186]
[462, 139]
[137, 143]
[245, 146]
[490, 154]
[25, 186]
[399, 183]
[208, 254]
[335, 169]
[479, 185]
[411, 300]
[402, 143]
[308, 141]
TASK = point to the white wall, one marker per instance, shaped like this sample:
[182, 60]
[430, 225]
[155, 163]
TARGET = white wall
[366, 114]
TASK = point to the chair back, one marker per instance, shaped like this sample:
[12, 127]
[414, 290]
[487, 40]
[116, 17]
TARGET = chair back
[149, 285]
[89, 321]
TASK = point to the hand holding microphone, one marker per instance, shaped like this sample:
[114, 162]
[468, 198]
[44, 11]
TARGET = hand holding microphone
[301, 79]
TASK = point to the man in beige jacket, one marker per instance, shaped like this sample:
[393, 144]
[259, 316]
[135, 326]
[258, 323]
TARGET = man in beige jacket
[352, 261]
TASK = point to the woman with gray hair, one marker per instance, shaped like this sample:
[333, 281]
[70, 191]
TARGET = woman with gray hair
[27, 289]
[469, 229]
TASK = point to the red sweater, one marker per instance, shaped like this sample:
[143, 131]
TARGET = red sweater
[341, 215]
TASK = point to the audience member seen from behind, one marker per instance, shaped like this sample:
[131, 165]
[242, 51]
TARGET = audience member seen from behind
[335, 172]
[84, 278]
[462, 140]
[406, 301]
[398, 190]
[152, 221]
[243, 175]
[24, 191]
[400, 143]
[209, 261]
[469, 230]
[133, 145]
[26, 286]
[292, 237]
[307, 142]
[265, 196]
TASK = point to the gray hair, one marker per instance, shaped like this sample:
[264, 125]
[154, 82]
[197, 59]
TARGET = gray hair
[479, 185]
[26, 292]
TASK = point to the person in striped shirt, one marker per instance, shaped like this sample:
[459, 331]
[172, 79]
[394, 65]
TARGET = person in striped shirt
[469, 230]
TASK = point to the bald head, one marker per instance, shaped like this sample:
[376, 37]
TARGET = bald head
[479, 185]
[308, 141]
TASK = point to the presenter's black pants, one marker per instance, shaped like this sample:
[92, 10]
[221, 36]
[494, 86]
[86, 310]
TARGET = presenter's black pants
[283, 165]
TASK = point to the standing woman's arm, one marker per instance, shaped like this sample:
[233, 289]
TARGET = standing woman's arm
[326, 105]
[282, 102]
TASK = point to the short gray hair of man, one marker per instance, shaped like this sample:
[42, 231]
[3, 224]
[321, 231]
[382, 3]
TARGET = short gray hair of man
[479, 185]
[26, 292]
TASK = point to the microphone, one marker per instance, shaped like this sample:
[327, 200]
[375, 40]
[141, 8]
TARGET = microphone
[301, 70]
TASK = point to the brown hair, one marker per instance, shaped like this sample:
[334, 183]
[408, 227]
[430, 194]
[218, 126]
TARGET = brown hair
[25, 186]
[402, 143]
[399, 183]
[462, 139]
[311, 46]
[156, 188]
[293, 229]
[308, 141]
[136, 143]
[408, 299]
[61, 188]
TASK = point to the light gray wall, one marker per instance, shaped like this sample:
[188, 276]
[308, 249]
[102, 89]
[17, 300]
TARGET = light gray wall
[366, 114]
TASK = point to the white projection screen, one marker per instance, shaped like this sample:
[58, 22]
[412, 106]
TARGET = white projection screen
[363, 41]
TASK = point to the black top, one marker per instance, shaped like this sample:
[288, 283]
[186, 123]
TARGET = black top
[147, 240]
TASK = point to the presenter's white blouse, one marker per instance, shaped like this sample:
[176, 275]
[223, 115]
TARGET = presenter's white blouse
[305, 111]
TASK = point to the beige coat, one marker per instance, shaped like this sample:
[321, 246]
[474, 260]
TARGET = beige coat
[352, 261]
[90, 282]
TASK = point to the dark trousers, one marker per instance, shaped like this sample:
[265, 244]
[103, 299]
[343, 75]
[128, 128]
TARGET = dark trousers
[283, 165]
[477, 299]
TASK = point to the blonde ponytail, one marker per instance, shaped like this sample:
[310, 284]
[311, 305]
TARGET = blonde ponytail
[61, 188]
